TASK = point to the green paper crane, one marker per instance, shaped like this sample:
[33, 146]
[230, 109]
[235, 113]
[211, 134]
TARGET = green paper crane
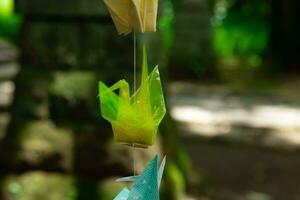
[134, 119]
[146, 186]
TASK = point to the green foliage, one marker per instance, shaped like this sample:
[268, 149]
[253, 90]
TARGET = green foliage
[9, 26]
[109, 189]
[183, 161]
[9, 22]
[176, 3]
[6, 6]
[241, 29]
[34, 186]
[174, 183]
[165, 24]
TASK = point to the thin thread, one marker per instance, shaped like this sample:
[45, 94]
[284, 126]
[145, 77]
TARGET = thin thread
[134, 91]
[134, 65]
[134, 162]
[145, 15]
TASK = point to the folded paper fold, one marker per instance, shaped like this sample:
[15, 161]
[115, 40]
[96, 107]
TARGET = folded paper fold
[145, 186]
[134, 119]
[133, 15]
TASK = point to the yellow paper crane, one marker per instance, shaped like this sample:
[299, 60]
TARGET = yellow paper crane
[133, 15]
[134, 119]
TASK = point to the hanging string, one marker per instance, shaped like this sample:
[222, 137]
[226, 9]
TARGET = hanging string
[134, 64]
[134, 161]
[145, 15]
[135, 74]
[134, 89]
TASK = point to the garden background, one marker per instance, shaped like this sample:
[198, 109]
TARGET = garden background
[231, 80]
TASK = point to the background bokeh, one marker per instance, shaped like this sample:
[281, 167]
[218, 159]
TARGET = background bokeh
[231, 80]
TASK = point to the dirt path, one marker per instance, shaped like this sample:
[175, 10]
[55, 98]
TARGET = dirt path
[245, 144]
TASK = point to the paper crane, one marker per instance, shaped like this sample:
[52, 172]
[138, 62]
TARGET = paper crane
[146, 186]
[133, 15]
[134, 119]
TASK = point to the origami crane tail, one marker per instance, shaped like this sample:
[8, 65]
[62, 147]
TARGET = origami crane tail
[142, 97]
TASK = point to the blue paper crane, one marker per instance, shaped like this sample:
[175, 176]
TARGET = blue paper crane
[146, 186]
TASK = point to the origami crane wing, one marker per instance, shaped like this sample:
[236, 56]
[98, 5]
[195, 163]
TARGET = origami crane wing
[145, 15]
[146, 186]
[161, 171]
[151, 15]
[156, 95]
[120, 14]
[133, 15]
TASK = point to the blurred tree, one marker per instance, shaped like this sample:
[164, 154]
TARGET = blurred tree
[241, 30]
[285, 30]
[192, 55]
[178, 163]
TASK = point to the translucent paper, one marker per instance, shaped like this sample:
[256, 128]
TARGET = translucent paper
[146, 186]
[133, 15]
[134, 119]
